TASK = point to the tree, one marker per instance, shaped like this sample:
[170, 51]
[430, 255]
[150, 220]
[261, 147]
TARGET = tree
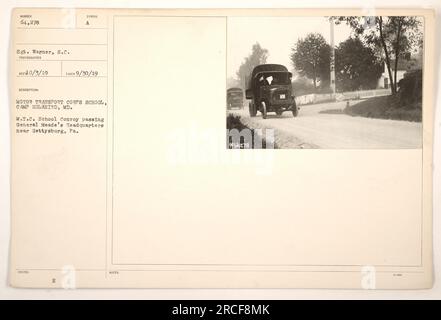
[395, 35]
[311, 58]
[302, 86]
[258, 56]
[232, 82]
[356, 66]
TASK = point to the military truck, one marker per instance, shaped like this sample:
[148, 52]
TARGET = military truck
[270, 90]
[234, 98]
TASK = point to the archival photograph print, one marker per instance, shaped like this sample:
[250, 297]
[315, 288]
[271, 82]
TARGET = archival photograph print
[341, 82]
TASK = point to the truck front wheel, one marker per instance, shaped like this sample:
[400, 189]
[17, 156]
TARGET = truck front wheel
[263, 109]
[252, 109]
[295, 110]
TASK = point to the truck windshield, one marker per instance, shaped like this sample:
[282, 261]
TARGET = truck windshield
[276, 78]
[235, 94]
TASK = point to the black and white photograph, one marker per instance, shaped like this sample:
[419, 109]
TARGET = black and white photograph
[337, 82]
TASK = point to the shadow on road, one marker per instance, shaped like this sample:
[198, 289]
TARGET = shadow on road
[332, 111]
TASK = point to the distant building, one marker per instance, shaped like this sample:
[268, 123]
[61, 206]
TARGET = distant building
[405, 63]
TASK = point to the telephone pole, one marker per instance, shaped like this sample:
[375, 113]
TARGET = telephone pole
[332, 60]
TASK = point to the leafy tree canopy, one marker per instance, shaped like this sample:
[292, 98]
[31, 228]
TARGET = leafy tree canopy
[356, 66]
[257, 56]
[394, 36]
[311, 58]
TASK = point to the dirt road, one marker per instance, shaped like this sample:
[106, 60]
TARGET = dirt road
[325, 126]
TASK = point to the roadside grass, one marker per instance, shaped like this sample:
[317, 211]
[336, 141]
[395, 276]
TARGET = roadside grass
[386, 107]
[233, 122]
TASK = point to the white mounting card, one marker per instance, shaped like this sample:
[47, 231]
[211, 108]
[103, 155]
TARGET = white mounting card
[221, 148]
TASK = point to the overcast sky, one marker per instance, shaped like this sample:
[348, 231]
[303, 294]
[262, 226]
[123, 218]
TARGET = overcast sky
[277, 34]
